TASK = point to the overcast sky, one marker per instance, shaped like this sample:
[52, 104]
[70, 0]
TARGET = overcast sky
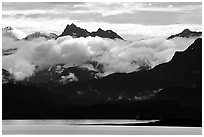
[127, 19]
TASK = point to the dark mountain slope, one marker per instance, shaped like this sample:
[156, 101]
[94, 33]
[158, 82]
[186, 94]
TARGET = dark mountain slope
[191, 97]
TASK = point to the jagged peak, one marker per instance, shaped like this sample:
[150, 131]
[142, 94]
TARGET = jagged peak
[75, 31]
[72, 25]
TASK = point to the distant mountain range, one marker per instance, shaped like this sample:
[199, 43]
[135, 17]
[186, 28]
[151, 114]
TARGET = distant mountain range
[13, 33]
[186, 34]
[76, 32]
[70, 30]
[169, 91]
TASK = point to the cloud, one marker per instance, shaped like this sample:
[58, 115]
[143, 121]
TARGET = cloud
[114, 8]
[115, 55]
[11, 43]
[58, 15]
[125, 18]
[71, 77]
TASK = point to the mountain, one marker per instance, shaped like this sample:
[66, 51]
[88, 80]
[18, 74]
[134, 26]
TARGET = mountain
[56, 75]
[60, 74]
[40, 34]
[170, 92]
[106, 34]
[76, 32]
[184, 70]
[7, 31]
[186, 34]
[7, 77]
[8, 28]
[10, 32]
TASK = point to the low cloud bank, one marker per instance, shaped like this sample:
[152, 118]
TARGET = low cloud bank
[115, 55]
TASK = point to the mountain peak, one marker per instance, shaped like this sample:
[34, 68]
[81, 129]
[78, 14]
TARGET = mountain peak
[99, 29]
[186, 33]
[10, 32]
[8, 28]
[106, 34]
[185, 30]
[74, 31]
[72, 25]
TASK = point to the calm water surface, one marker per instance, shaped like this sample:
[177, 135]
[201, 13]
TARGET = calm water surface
[85, 127]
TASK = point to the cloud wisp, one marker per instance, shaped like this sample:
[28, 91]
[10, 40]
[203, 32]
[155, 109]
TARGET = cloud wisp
[103, 8]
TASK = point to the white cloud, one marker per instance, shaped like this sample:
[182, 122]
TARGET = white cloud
[11, 43]
[115, 55]
[69, 78]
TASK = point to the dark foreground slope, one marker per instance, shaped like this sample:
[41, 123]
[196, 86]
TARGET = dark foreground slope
[178, 103]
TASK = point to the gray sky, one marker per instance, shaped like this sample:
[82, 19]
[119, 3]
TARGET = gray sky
[128, 19]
